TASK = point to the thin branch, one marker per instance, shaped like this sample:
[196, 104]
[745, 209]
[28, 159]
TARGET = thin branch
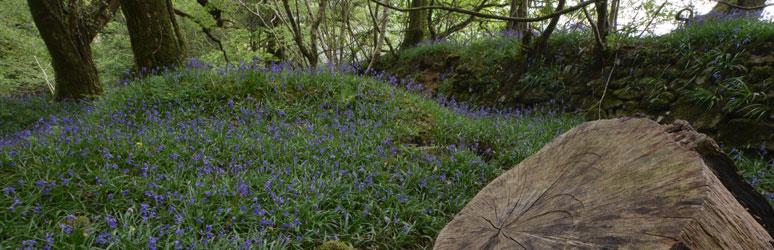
[380, 29]
[45, 75]
[594, 28]
[206, 31]
[490, 16]
[607, 83]
[464, 23]
[655, 15]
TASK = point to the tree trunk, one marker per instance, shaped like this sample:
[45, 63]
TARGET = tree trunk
[67, 28]
[617, 184]
[309, 52]
[541, 45]
[612, 19]
[722, 10]
[416, 31]
[155, 36]
[267, 20]
[600, 51]
[380, 32]
[519, 10]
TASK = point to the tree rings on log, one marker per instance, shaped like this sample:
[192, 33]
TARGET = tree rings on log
[617, 184]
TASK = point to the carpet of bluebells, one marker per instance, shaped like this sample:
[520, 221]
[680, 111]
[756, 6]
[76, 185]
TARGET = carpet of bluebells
[255, 157]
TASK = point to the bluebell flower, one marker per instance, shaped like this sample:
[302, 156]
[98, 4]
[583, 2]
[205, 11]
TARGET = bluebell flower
[67, 229]
[49, 239]
[29, 244]
[9, 190]
[104, 238]
[152, 243]
[16, 202]
[111, 221]
[243, 189]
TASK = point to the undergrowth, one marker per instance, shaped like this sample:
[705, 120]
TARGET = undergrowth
[254, 157]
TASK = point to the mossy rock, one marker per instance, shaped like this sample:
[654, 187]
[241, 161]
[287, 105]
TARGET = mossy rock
[335, 245]
[700, 117]
[661, 102]
[627, 94]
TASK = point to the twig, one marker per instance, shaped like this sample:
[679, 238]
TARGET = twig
[206, 31]
[607, 83]
[45, 75]
[594, 29]
[655, 15]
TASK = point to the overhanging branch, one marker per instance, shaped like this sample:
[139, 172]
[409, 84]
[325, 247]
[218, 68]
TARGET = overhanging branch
[489, 16]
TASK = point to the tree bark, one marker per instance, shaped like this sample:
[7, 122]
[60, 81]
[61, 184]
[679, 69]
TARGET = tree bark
[519, 10]
[156, 38]
[380, 31]
[737, 7]
[600, 51]
[612, 15]
[67, 28]
[617, 184]
[541, 45]
[416, 31]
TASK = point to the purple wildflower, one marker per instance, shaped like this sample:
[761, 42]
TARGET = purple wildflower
[16, 202]
[66, 228]
[104, 238]
[152, 243]
[111, 221]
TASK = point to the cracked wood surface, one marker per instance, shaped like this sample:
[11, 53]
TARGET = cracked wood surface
[623, 183]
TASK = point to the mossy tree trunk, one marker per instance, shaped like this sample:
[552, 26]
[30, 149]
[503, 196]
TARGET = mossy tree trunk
[67, 28]
[416, 31]
[154, 33]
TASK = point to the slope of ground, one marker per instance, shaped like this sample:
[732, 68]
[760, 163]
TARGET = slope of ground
[270, 157]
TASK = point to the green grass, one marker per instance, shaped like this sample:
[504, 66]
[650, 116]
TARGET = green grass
[287, 159]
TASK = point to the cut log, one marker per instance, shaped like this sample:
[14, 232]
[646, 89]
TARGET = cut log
[609, 184]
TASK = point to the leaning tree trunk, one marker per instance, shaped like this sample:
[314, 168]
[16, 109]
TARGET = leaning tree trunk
[540, 48]
[749, 8]
[617, 184]
[416, 31]
[153, 31]
[67, 28]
